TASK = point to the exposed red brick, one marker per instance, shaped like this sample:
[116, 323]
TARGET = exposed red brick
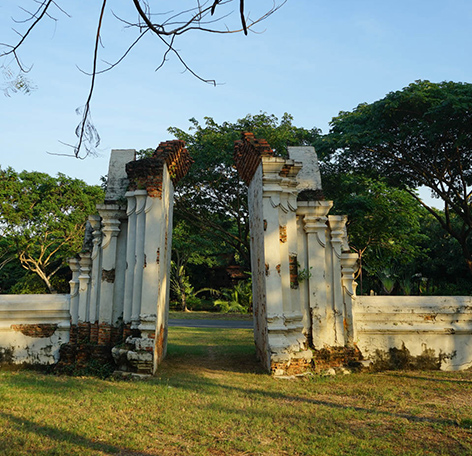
[176, 157]
[159, 346]
[126, 331]
[40, 330]
[146, 174]
[293, 367]
[84, 332]
[283, 233]
[328, 357]
[247, 155]
[94, 332]
[293, 268]
[73, 334]
[104, 334]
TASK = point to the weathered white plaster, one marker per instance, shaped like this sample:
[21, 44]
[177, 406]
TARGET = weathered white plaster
[163, 261]
[309, 177]
[85, 263]
[33, 310]
[111, 215]
[117, 181]
[140, 196]
[320, 315]
[336, 225]
[257, 228]
[130, 257]
[74, 290]
[419, 323]
[96, 257]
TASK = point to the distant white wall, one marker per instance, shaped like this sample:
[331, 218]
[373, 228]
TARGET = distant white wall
[33, 327]
[419, 323]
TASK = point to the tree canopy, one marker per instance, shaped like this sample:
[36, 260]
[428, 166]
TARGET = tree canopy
[211, 197]
[418, 136]
[43, 218]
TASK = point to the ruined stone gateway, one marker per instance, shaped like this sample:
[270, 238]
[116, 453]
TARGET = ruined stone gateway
[306, 313]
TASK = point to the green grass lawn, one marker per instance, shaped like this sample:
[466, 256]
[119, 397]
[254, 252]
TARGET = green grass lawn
[211, 398]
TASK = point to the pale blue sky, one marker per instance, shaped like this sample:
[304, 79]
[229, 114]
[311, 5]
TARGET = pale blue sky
[315, 58]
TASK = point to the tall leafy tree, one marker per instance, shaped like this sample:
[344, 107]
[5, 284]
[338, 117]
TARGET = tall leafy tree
[384, 225]
[211, 197]
[44, 217]
[418, 136]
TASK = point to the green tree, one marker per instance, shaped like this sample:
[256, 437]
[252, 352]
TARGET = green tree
[439, 272]
[43, 218]
[384, 226]
[212, 198]
[418, 136]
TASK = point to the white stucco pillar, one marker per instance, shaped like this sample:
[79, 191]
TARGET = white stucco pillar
[336, 224]
[110, 214]
[130, 258]
[95, 222]
[163, 262]
[151, 280]
[314, 215]
[289, 257]
[85, 263]
[140, 196]
[349, 267]
[74, 290]
[274, 292]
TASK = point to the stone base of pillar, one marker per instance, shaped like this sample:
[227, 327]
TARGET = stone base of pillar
[94, 333]
[135, 356]
[291, 363]
[332, 357]
[83, 332]
[126, 331]
[73, 334]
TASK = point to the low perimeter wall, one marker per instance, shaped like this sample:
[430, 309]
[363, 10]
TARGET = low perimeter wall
[415, 330]
[33, 327]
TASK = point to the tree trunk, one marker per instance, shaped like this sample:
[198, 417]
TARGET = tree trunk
[183, 299]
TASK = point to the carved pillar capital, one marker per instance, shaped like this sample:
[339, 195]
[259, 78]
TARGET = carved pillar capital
[140, 198]
[111, 215]
[74, 282]
[131, 203]
[337, 224]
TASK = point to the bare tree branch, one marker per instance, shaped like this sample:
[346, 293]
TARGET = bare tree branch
[199, 18]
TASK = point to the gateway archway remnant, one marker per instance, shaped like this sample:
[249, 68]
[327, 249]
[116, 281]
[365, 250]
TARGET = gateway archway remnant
[306, 313]
[302, 270]
[301, 266]
[120, 284]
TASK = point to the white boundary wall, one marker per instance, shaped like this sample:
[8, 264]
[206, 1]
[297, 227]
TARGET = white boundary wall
[418, 323]
[33, 327]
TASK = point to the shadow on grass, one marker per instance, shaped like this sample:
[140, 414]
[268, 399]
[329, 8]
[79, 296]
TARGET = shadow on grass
[428, 379]
[59, 435]
[194, 382]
